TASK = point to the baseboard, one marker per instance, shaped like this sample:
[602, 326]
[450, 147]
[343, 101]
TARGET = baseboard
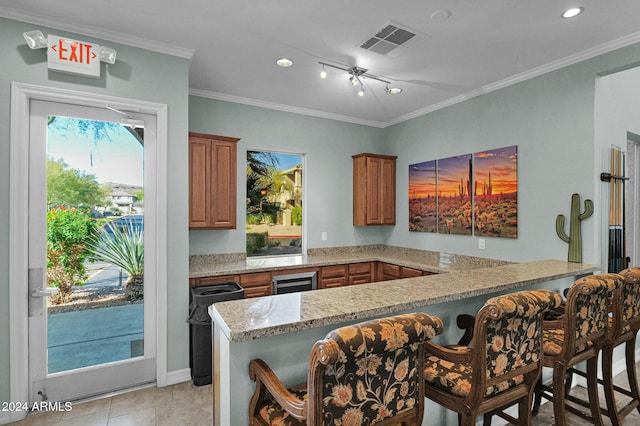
[178, 376]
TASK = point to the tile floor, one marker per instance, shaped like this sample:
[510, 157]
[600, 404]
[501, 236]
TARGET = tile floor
[183, 404]
[187, 405]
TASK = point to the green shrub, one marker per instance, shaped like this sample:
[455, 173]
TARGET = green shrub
[256, 241]
[254, 219]
[296, 215]
[68, 231]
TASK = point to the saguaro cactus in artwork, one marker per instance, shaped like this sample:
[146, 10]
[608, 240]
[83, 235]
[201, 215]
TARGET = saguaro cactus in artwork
[575, 234]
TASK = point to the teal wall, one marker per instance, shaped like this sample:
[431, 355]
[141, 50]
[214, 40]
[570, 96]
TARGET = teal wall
[551, 120]
[138, 74]
[327, 145]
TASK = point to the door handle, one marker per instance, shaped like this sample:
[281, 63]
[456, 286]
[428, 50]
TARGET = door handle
[43, 292]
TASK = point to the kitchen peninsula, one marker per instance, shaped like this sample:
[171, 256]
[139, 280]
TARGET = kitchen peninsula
[281, 329]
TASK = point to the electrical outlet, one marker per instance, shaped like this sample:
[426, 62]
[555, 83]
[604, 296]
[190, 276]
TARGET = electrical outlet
[323, 236]
[481, 243]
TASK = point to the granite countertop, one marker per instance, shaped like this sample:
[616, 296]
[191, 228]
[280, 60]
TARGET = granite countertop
[248, 319]
[432, 261]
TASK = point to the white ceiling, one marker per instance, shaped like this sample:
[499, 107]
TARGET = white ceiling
[483, 45]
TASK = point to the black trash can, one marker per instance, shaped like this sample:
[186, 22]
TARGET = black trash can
[200, 298]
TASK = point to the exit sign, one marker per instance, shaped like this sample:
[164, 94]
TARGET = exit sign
[73, 56]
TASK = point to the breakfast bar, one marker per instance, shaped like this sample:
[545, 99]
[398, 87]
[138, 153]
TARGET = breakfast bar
[281, 329]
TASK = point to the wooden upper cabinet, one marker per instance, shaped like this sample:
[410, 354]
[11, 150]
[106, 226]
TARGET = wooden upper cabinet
[374, 189]
[212, 181]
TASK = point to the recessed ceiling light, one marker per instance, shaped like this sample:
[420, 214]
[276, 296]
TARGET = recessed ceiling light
[284, 62]
[440, 15]
[574, 11]
[393, 90]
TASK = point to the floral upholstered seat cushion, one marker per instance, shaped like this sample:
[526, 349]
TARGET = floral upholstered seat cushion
[272, 413]
[456, 378]
[553, 342]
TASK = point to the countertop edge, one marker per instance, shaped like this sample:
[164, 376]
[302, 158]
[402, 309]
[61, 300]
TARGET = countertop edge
[482, 276]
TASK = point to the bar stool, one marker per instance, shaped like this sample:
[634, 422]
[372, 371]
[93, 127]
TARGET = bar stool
[368, 373]
[503, 365]
[625, 323]
[577, 336]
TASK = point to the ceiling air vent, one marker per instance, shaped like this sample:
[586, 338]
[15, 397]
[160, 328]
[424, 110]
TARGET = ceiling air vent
[389, 38]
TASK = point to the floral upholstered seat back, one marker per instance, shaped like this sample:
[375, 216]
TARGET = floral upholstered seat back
[375, 370]
[591, 312]
[513, 331]
[631, 294]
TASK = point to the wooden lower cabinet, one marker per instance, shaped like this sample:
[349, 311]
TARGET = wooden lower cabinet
[409, 272]
[333, 276]
[259, 283]
[389, 271]
[361, 273]
[256, 285]
[218, 280]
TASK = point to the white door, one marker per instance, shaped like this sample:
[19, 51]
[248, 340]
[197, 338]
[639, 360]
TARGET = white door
[78, 353]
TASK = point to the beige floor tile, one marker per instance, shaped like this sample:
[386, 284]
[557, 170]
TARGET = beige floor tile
[39, 419]
[189, 392]
[145, 417]
[184, 414]
[98, 418]
[90, 407]
[140, 400]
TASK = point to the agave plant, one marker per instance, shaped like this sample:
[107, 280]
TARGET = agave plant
[123, 246]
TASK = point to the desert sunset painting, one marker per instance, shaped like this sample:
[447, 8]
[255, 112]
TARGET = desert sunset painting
[423, 213]
[454, 195]
[496, 192]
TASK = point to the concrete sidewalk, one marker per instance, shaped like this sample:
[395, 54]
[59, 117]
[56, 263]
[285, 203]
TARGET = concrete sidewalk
[94, 336]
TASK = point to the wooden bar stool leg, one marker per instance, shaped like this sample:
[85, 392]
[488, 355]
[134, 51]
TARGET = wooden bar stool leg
[559, 413]
[592, 389]
[609, 392]
[630, 355]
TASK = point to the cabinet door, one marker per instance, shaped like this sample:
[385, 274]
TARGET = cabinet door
[360, 273]
[212, 181]
[374, 191]
[388, 271]
[333, 276]
[387, 191]
[223, 185]
[409, 272]
[199, 191]
[256, 285]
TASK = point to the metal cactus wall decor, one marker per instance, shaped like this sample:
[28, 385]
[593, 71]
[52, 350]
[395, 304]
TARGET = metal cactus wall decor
[575, 234]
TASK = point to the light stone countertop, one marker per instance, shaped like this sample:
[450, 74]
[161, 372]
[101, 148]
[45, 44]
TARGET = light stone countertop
[432, 261]
[248, 319]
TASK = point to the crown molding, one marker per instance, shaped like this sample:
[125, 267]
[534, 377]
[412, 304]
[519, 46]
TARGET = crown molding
[282, 107]
[535, 72]
[527, 75]
[155, 46]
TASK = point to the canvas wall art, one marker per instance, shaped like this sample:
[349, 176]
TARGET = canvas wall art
[496, 192]
[423, 213]
[454, 180]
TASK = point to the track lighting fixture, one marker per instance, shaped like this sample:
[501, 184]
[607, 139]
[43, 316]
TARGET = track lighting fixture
[355, 77]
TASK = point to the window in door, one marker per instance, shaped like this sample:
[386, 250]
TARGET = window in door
[95, 193]
[274, 204]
